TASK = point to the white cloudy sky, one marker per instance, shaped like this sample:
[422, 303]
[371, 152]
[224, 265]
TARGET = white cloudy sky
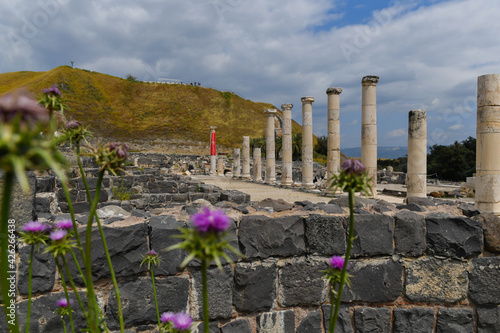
[427, 53]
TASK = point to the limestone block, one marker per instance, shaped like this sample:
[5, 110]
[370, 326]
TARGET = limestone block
[369, 116]
[488, 90]
[433, 280]
[491, 227]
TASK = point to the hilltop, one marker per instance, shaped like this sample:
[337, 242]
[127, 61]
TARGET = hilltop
[150, 116]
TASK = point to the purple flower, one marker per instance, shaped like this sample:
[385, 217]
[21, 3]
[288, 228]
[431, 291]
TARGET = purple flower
[337, 262]
[353, 166]
[64, 224]
[58, 234]
[120, 148]
[151, 253]
[167, 316]
[73, 124]
[34, 227]
[18, 104]
[209, 220]
[63, 303]
[182, 321]
[52, 91]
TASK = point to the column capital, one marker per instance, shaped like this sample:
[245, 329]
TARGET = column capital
[286, 106]
[307, 99]
[213, 128]
[334, 91]
[270, 111]
[370, 80]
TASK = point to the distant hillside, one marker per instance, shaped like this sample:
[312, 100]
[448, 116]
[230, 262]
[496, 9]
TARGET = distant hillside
[141, 112]
[382, 152]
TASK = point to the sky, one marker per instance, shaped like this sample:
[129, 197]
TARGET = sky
[427, 53]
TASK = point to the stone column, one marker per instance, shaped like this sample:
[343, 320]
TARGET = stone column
[257, 165]
[286, 145]
[369, 128]
[416, 179]
[236, 163]
[213, 151]
[333, 152]
[488, 142]
[270, 147]
[307, 142]
[246, 158]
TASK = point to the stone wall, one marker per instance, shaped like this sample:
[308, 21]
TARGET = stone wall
[424, 271]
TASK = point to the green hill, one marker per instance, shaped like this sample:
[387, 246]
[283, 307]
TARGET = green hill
[141, 112]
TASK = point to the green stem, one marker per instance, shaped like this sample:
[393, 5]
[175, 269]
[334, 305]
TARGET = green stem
[206, 316]
[4, 244]
[92, 304]
[63, 282]
[347, 255]
[331, 326]
[104, 244]
[30, 270]
[70, 278]
[156, 299]
[64, 324]
[75, 229]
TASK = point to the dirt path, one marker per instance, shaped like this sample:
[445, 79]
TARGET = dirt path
[260, 192]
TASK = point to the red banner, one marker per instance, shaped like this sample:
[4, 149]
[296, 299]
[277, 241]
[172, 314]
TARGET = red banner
[213, 149]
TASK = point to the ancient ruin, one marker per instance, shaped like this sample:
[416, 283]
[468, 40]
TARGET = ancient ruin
[307, 142]
[417, 155]
[270, 148]
[286, 145]
[369, 127]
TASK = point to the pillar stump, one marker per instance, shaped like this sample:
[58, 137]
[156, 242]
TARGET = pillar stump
[488, 143]
[270, 147]
[286, 145]
[333, 143]
[416, 179]
[369, 128]
[213, 151]
[307, 142]
[236, 162]
[245, 147]
[257, 165]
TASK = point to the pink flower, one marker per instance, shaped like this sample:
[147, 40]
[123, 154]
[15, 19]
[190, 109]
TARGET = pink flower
[18, 104]
[337, 262]
[52, 91]
[208, 220]
[182, 321]
[73, 124]
[353, 166]
[58, 235]
[64, 224]
[63, 303]
[167, 317]
[34, 227]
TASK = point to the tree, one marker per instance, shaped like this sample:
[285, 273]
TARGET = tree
[130, 77]
[454, 162]
[297, 146]
[321, 146]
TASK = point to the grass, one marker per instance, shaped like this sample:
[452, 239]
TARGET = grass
[138, 112]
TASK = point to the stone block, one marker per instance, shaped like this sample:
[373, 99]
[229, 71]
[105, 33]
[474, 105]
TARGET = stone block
[45, 184]
[180, 197]
[343, 320]
[488, 319]
[22, 205]
[254, 287]
[378, 280]
[103, 195]
[220, 293]
[372, 320]
[43, 271]
[454, 236]
[455, 320]
[237, 326]
[409, 234]
[325, 235]
[138, 303]
[234, 196]
[413, 320]
[413, 207]
[276, 322]
[126, 245]
[434, 280]
[43, 204]
[302, 283]
[484, 275]
[491, 228]
[373, 235]
[278, 205]
[331, 209]
[261, 236]
[311, 323]
[162, 230]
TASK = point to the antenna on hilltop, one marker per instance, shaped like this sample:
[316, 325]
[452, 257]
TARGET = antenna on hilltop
[72, 62]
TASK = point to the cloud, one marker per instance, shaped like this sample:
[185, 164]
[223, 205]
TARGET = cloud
[456, 127]
[427, 57]
[400, 132]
